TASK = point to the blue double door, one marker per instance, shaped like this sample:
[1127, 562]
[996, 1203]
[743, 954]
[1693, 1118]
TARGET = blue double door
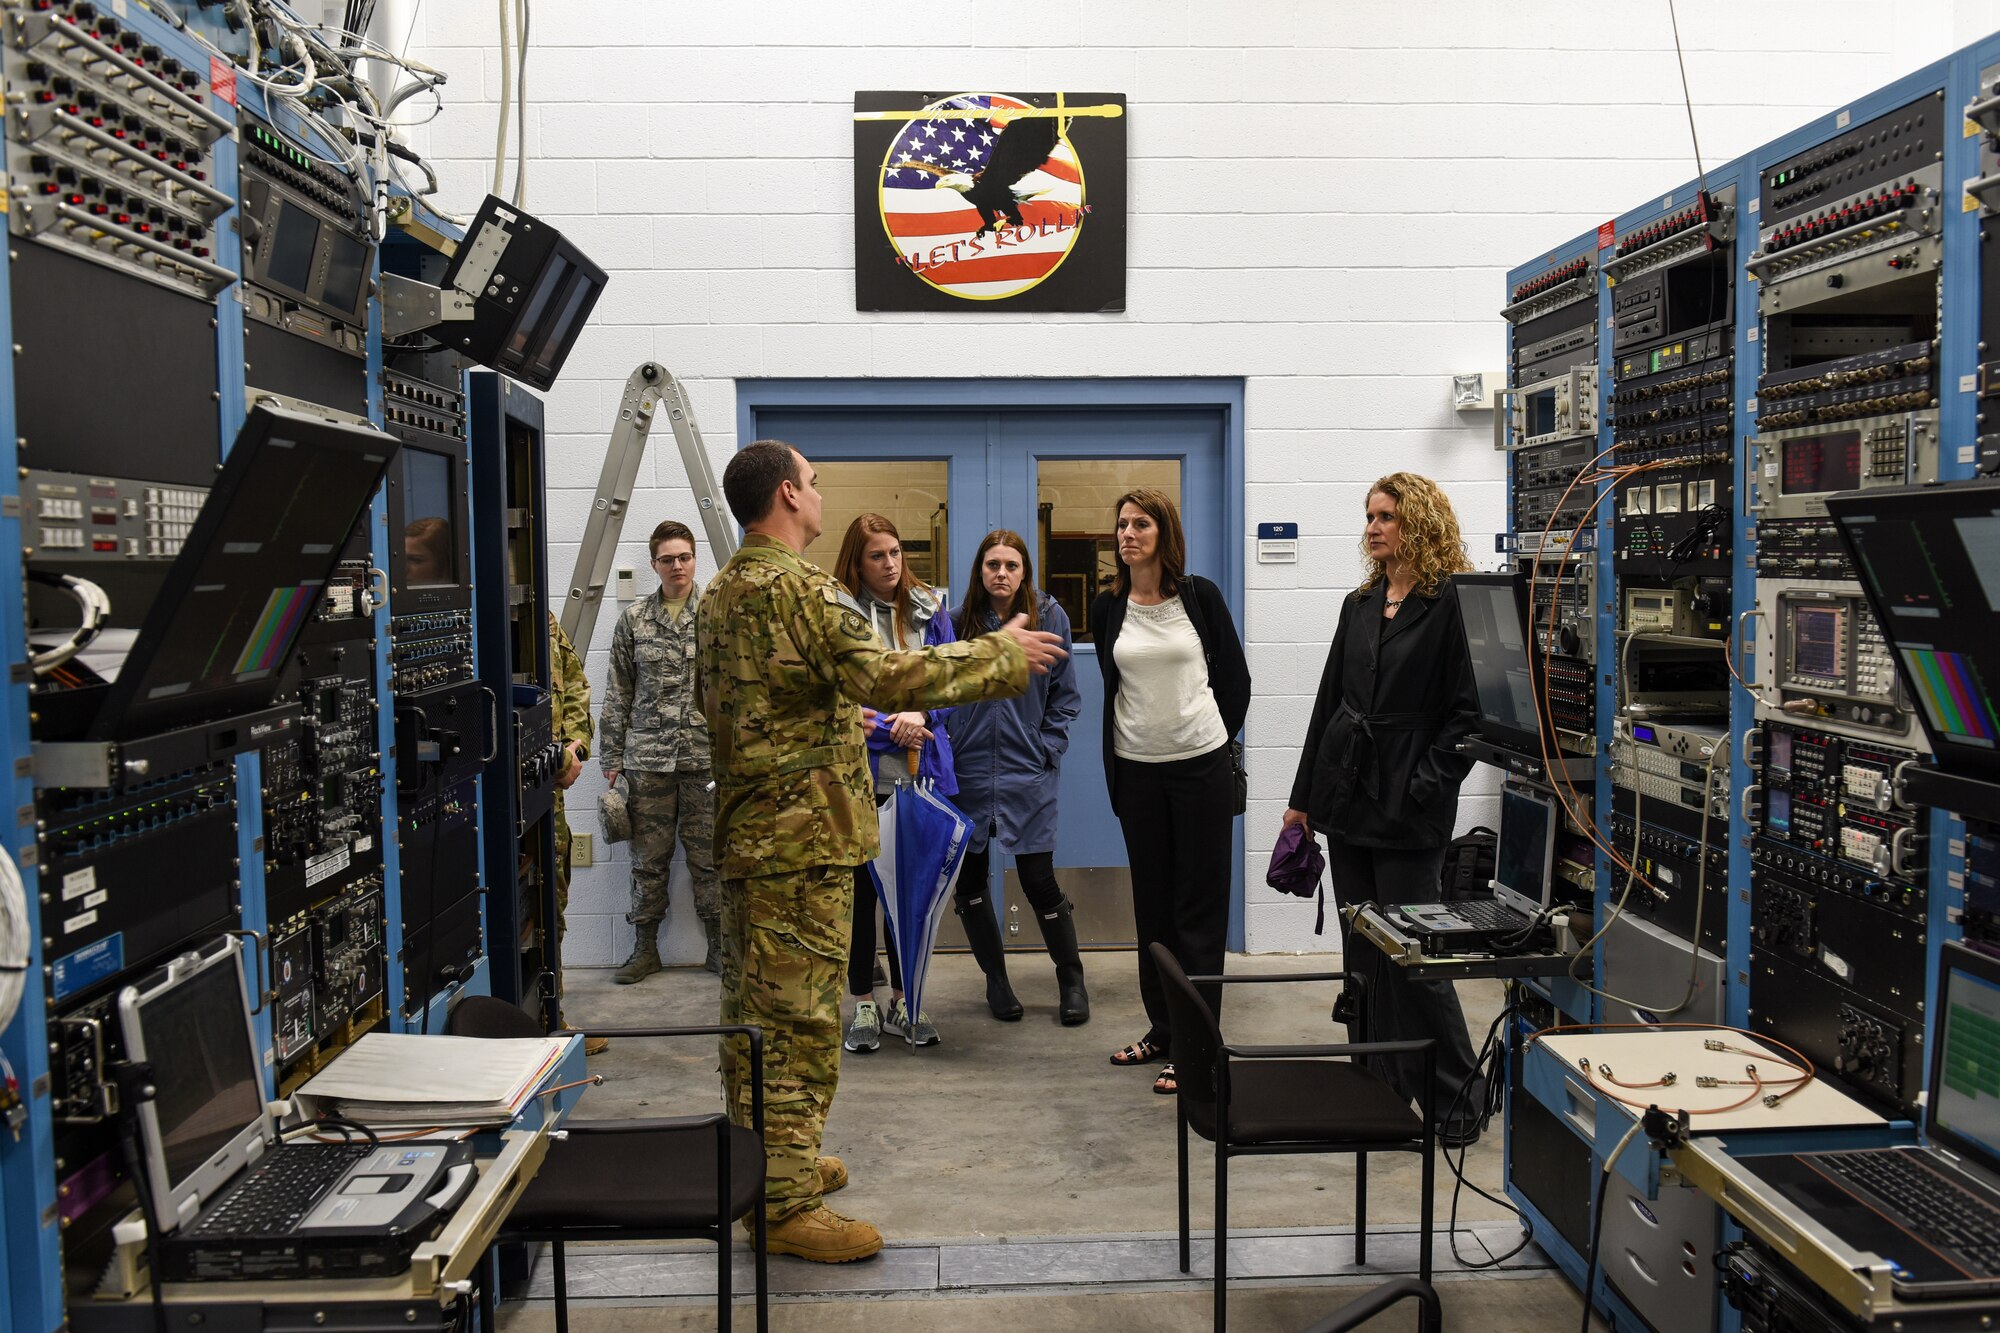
[1050, 475]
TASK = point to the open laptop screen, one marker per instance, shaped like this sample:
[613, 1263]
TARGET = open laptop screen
[1526, 849]
[1964, 1104]
[191, 1023]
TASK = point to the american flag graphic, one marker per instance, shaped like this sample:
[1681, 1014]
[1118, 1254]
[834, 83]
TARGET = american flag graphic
[952, 218]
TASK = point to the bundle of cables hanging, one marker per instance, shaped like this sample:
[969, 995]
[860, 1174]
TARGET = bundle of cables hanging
[14, 962]
[93, 607]
[14, 941]
[313, 71]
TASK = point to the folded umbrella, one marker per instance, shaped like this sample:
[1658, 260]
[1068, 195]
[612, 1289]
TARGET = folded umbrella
[924, 841]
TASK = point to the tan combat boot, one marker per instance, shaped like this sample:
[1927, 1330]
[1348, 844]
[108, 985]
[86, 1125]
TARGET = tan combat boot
[645, 961]
[823, 1236]
[832, 1173]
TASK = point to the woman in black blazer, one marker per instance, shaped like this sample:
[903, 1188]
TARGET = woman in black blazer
[1381, 767]
[1176, 688]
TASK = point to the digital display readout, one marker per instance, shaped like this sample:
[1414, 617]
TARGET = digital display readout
[1814, 463]
[1818, 634]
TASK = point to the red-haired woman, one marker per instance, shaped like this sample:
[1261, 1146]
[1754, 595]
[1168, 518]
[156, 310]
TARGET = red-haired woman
[906, 613]
[1176, 689]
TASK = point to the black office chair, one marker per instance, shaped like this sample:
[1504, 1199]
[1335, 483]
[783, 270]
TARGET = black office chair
[678, 1178]
[1372, 1303]
[1260, 1100]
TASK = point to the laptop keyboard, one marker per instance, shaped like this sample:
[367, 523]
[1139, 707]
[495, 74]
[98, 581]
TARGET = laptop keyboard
[281, 1189]
[1931, 1204]
[1488, 914]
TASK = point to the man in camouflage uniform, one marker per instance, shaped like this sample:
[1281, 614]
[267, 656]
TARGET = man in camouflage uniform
[655, 736]
[569, 702]
[785, 661]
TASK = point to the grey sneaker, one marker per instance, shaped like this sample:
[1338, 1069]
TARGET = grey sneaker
[864, 1029]
[898, 1024]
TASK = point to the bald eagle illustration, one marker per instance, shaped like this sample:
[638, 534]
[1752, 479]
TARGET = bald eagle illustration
[1021, 148]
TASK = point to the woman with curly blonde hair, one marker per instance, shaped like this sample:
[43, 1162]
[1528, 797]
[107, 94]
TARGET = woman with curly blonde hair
[1381, 768]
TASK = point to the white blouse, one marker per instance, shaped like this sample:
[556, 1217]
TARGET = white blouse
[1164, 710]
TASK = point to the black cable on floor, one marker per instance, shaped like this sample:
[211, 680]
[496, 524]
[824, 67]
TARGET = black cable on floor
[1597, 1221]
[1596, 1234]
[1492, 1052]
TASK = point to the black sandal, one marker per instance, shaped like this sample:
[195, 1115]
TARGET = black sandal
[1141, 1052]
[1166, 1084]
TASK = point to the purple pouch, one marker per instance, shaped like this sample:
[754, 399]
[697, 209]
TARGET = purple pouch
[1296, 862]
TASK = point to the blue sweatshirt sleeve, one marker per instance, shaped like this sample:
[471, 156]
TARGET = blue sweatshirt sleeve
[940, 630]
[1064, 700]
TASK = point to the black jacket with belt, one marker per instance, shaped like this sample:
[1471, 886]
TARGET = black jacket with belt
[1381, 766]
[1228, 670]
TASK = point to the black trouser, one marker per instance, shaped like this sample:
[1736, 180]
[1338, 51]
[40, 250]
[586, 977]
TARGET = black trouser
[1038, 879]
[1177, 818]
[1400, 1008]
[861, 952]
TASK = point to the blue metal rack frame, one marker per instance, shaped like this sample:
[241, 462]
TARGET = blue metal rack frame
[1956, 80]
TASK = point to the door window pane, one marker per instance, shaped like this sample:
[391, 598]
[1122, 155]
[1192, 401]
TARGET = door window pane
[909, 493]
[1078, 555]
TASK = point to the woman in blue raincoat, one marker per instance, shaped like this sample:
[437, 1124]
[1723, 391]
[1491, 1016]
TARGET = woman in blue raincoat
[905, 612]
[1007, 755]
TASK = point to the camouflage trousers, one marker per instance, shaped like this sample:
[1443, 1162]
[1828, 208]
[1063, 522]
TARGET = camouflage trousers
[562, 891]
[667, 807]
[784, 956]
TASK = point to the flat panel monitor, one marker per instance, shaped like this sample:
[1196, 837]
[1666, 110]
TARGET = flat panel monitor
[430, 534]
[1929, 559]
[250, 574]
[532, 289]
[1491, 606]
[1524, 855]
[430, 564]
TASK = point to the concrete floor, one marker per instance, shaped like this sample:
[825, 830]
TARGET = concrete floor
[1523, 1305]
[1025, 1130]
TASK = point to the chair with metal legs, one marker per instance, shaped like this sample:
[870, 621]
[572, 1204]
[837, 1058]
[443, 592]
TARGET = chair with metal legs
[1371, 1303]
[1261, 1100]
[677, 1178]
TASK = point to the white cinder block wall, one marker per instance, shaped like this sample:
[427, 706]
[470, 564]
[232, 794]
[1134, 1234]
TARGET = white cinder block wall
[1324, 199]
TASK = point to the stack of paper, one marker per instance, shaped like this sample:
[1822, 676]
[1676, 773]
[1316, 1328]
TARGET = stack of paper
[401, 1078]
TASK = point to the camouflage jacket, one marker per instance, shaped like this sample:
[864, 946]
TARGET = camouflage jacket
[650, 722]
[785, 660]
[570, 688]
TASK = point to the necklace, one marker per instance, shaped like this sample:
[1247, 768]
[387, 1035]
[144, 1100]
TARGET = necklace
[1393, 602]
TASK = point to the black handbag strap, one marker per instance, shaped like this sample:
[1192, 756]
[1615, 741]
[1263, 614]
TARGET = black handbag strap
[1192, 605]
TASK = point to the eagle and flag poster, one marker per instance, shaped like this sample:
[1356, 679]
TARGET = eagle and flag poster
[982, 201]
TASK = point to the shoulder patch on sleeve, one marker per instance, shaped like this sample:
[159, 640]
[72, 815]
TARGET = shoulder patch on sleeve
[854, 627]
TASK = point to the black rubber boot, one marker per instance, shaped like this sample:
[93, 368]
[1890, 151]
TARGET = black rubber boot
[982, 932]
[1059, 930]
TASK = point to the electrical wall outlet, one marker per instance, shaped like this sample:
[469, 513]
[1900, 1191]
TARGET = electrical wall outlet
[582, 849]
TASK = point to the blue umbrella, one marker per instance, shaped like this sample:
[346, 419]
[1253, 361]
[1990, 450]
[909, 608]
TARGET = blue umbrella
[924, 841]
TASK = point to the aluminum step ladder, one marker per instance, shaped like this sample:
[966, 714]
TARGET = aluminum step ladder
[649, 390]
